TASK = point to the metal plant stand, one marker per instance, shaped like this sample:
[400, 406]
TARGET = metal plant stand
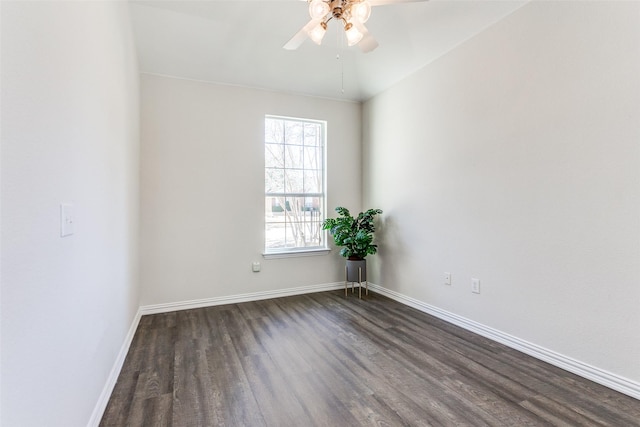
[360, 281]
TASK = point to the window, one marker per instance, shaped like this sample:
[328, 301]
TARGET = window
[294, 184]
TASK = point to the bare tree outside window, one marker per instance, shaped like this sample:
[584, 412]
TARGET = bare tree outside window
[294, 184]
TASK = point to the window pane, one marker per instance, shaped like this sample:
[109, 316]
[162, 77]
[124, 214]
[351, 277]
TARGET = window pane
[294, 165]
[274, 236]
[291, 232]
[293, 133]
[274, 155]
[293, 156]
[314, 204]
[313, 158]
[306, 234]
[274, 180]
[312, 134]
[296, 205]
[294, 181]
[273, 131]
[274, 209]
[312, 181]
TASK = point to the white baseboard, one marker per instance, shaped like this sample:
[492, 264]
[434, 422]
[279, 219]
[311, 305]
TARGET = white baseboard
[100, 407]
[597, 375]
[233, 299]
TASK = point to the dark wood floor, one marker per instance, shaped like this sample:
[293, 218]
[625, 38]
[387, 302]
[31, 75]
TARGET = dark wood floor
[324, 360]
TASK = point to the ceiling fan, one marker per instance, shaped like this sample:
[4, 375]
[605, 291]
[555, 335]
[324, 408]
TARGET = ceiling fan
[352, 14]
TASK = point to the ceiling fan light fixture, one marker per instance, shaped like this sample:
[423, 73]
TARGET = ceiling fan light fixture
[353, 34]
[352, 14]
[361, 11]
[318, 9]
[316, 34]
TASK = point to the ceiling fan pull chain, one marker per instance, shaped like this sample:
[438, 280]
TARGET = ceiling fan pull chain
[339, 44]
[341, 72]
[342, 76]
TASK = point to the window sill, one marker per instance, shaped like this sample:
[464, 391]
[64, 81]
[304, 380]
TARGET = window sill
[295, 254]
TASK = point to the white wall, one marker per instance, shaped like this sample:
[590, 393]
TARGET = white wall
[69, 134]
[202, 188]
[515, 159]
[0, 230]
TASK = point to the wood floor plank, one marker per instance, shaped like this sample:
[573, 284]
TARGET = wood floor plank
[504, 412]
[326, 360]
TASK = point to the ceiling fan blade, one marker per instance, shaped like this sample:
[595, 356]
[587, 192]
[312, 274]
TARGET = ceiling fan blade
[296, 40]
[300, 36]
[368, 42]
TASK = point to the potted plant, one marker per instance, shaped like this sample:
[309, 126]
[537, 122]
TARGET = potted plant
[355, 235]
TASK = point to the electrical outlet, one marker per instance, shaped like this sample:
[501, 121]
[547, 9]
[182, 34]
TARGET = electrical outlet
[475, 285]
[447, 278]
[67, 220]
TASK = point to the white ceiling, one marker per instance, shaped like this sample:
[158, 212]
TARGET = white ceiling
[240, 42]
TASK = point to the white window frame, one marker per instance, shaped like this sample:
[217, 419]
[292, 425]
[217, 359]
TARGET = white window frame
[323, 248]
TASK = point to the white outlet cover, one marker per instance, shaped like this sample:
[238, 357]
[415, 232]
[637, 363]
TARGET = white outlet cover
[475, 285]
[447, 278]
[67, 220]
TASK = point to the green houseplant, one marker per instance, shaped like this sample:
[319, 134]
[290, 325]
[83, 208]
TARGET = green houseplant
[355, 235]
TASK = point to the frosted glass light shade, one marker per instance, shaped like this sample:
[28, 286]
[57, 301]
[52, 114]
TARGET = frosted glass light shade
[361, 11]
[353, 34]
[317, 33]
[318, 9]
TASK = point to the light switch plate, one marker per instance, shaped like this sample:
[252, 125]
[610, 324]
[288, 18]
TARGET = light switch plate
[447, 278]
[475, 285]
[66, 219]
